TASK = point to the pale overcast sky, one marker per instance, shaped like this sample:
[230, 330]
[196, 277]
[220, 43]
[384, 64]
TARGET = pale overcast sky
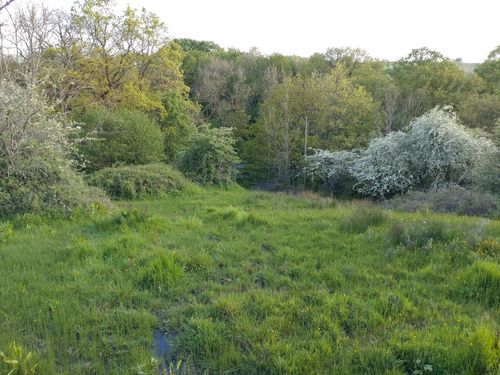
[387, 29]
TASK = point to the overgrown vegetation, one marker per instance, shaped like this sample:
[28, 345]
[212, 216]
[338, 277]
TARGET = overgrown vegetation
[210, 157]
[253, 282]
[448, 199]
[139, 181]
[435, 150]
[36, 172]
[114, 138]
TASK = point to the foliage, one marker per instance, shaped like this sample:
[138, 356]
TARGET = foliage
[36, 173]
[223, 94]
[138, 181]
[29, 129]
[435, 150]
[177, 123]
[479, 111]
[445, 151]
[46, 188]
[332, 170]
[426, 79]
[118, 137]
[196, 54]
[489, 70]
[479, 283]
[447, 199]
[336, 111]
[350, 58]
[489, 174]
[383, 169]
[210, 157]
[122, 59]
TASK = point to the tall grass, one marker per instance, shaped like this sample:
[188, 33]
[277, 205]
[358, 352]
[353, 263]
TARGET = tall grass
[254, 283]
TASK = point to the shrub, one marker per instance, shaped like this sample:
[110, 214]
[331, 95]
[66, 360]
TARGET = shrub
[178, 122]
[383, 168]
[138, 181]
[489, 175]
[6, 230]
[451, 199]
[332, 170]
[435, 150]
[46, 189]
[210, 157]
[118, 137]
[36, 174]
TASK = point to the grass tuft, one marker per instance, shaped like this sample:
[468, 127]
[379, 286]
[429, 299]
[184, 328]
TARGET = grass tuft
[362, 216]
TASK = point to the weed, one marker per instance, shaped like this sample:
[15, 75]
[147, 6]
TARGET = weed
[488, 248]
[16, 361]
[6, 230]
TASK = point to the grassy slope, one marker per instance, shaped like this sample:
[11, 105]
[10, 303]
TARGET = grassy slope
[249, 282]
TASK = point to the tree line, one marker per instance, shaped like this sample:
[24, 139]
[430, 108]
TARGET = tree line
[132, 95]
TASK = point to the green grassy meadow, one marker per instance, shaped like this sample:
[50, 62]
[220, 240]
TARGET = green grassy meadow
[241, 282]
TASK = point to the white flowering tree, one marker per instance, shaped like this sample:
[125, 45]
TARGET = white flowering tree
[435, 150]
[384, 167]
[333, 170]
[28, 130]
[36, 174]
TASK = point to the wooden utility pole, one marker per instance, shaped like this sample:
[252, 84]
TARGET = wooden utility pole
[305, 148]
[305, 138]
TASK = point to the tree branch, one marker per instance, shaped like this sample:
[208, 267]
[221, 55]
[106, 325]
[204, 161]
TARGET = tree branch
[2, 7]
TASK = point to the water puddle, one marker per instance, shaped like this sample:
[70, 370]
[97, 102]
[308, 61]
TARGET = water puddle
[161, 349]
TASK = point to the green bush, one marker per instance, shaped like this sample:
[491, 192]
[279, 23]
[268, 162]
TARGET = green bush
[138, 181]
[48, 190]
[118, 137]
[210, 157]
[451, 199]
[36, 173]
[489, 175]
